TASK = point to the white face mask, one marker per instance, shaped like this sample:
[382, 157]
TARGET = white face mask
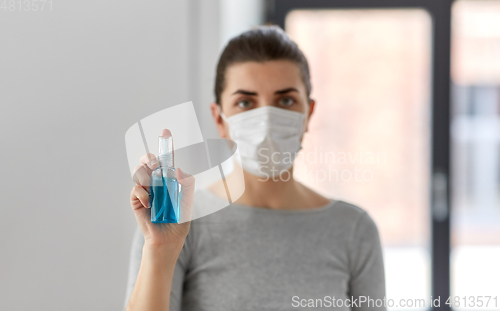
[268, 139]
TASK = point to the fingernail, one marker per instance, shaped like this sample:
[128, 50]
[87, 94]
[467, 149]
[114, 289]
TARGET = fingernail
[153, 162]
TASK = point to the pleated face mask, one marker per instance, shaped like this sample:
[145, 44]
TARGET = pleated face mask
[268, 139]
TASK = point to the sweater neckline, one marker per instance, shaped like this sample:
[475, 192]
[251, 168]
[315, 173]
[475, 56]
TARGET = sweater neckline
[327, 206]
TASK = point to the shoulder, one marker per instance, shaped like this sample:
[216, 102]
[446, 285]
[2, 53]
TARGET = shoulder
[363, 234]
[348, 211]
[355, 219]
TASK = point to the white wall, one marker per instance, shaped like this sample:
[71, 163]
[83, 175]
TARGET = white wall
[238, 16]
[72, 80]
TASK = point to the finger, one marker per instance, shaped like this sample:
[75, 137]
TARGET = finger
[142, 176]
[149, 160]
[139, 194]
[139, 202]
[142, 173]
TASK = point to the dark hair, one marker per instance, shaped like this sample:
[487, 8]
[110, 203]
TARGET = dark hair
[260, 44]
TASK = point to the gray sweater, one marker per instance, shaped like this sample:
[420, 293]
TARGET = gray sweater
[250, 258]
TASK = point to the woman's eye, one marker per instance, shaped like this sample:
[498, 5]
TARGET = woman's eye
[286, 102]
[244, 104]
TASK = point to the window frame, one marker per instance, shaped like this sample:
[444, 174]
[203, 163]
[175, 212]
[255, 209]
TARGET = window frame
[439, 200]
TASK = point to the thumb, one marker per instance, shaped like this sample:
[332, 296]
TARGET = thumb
[185, 179]
[187, 195]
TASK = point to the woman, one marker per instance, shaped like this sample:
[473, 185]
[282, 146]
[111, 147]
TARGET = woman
[281, 245]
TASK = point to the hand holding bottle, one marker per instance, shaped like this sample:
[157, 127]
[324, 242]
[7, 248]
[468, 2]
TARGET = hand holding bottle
[162, 241]
[161, 234]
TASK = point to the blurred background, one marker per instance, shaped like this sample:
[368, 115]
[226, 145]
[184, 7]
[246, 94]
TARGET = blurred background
[407, 126]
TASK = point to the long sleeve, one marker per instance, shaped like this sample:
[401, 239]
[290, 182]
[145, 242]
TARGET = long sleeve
[367, 265]
[135, 263]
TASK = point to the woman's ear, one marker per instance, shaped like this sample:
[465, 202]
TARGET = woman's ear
[309, 113]
[219, 123]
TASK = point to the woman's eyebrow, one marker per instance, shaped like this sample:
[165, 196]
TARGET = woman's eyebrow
[250, 93]
[245, 92]
[284, 91]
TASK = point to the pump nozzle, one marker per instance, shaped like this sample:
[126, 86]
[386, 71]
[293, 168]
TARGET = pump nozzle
[166, 149]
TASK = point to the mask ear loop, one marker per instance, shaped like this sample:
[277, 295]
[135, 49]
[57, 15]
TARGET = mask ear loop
[222, 114]
[304, 126]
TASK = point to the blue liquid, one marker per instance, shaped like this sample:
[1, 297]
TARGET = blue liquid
[164, 200]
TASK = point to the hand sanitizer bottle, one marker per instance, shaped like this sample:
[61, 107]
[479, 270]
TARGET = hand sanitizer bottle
[165, 189]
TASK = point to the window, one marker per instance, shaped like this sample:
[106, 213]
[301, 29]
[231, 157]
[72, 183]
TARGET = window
[475, 128]
[369, 139]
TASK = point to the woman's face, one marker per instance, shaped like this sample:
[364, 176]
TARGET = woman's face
[251, 85]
